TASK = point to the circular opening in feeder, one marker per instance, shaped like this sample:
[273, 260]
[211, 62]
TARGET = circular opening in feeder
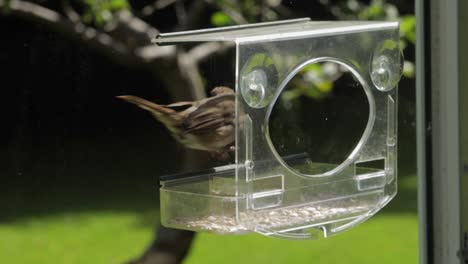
[325, 112]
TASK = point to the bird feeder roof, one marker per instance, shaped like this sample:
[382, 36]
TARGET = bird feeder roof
[263, 32]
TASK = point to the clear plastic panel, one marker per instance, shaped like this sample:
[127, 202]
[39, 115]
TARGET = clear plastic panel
[280, 183]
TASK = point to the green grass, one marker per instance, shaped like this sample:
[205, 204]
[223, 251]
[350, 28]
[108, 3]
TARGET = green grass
[107, 237]
[113, 236]
[386, 239]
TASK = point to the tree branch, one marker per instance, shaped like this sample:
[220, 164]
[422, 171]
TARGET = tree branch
[180, 11]
[202, 51]
[235, 15]
[148, 10]
[125, 41]
[104, 42]
[190, 71]
[38, 14]
[128, 26]
[193, 18]
[70, 12]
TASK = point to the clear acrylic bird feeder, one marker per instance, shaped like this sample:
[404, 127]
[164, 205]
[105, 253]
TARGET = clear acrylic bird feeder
[294, 174]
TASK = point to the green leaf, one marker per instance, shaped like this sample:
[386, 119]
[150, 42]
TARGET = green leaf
[101, 11]
[411, 36]
[259, 60]
[408, 28]
[119, 4]
[409, 69]
[325, 86]
[376, 11]
[312, 67]
[313, 92]
[389, 45]
[220, 19]
[407, 24]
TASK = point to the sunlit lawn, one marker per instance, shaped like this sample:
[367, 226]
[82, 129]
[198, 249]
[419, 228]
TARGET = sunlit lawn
[113, 236]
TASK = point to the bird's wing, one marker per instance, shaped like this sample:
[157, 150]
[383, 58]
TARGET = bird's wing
[221, 90]
[180, 106]
[213, 113]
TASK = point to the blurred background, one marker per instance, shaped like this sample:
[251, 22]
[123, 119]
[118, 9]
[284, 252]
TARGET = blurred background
[80, 168]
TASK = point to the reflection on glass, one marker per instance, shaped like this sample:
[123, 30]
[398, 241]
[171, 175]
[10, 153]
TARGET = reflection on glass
[323, 112]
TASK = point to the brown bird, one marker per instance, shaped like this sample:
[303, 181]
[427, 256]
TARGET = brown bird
[207, 124]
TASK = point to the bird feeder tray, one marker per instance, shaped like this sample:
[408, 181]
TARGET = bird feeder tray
[291, 195]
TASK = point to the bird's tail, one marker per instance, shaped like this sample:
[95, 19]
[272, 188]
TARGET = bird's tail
[147, 105]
